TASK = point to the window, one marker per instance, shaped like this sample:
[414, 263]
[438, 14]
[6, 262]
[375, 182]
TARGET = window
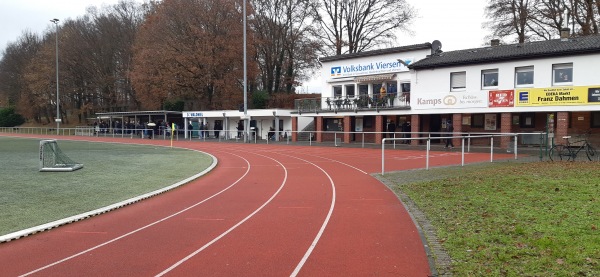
[524, 76]
[477, 120]
[337, 91]
[489, 78]
[376, 89]
[405, 87]
[333, 124]
[458, 81]
[595, 122]
[363, 89]
[562, 74]
[392, 88]
[349, 90]
[368, 121]
[527, 120]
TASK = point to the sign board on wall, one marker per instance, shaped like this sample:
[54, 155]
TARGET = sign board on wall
[358, 124]
[556, 96]
[452, 100]
[369, 68]
[501, 98]
[490, 122]
[193, 114]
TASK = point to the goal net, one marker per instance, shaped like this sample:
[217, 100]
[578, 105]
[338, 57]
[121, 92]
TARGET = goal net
[53, 159]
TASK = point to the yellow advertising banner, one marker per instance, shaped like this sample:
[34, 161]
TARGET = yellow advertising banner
[557, 96]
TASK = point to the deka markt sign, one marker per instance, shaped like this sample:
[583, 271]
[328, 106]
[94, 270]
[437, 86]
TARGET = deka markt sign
[556, 96]
[368, 68]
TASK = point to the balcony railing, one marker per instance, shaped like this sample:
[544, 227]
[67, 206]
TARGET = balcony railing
[357, 103]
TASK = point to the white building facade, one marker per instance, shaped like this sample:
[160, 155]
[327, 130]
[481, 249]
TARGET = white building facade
[363, 93]
[547, 86]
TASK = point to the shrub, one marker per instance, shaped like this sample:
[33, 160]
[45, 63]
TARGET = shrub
[8, 117]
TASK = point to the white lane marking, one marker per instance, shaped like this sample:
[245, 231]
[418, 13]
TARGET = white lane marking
[320, 233]
[142, 228]
[321, 157]
[191, 255]
[327, 218]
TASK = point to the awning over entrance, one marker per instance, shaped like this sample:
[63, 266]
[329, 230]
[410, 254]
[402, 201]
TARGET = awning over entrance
[371, 78]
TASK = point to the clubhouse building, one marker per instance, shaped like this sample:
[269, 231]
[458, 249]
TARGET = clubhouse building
[545, 86]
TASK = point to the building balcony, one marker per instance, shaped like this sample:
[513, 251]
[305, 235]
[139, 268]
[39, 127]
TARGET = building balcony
[390, 101]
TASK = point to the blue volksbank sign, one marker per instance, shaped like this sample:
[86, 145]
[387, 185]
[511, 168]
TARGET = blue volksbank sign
[368, 68]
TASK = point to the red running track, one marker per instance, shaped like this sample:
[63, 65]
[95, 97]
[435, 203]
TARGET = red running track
[265, 210]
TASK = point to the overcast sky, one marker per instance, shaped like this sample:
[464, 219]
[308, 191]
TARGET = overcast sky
[17, 16]
[456, 23]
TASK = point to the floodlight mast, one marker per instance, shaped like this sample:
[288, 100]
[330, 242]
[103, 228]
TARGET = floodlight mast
[246, 121]
[55, 21]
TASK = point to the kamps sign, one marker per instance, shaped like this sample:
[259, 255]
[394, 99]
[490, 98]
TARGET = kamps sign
[363, 68]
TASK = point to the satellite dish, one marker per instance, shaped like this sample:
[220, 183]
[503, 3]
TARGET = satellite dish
[436, 47]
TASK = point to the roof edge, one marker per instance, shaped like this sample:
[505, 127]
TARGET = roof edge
[503, 59]
[421, 46]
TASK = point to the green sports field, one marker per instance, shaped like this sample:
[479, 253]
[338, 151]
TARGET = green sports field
[111, 173]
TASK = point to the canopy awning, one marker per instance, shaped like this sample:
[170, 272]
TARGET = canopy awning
[371, 78]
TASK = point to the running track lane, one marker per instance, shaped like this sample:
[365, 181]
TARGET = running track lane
[369, 233]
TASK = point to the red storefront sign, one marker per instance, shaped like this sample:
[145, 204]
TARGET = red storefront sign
[501, 98]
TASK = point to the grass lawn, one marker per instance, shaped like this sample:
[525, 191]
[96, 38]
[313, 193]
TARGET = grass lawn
[512, 219]
[111, 173]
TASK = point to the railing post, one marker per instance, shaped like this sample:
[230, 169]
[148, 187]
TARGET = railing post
[427, 153]
[469, 143]
[335, 139]
[491, 149]
[363, 140]
[462, 151]
[383, 157]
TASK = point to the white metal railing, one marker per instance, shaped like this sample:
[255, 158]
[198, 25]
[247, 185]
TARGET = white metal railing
[463, 150]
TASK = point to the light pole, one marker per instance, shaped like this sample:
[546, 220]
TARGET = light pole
[55, 21]
[246, 121]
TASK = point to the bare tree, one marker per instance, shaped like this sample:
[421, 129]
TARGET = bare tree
[510, 18]
[586, 14]
[284, 48]
[37, 100]
[527, 20]
[13, 65]
[350, 26]
[191, 50]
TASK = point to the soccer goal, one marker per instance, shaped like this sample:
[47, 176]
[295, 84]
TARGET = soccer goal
[53, 159]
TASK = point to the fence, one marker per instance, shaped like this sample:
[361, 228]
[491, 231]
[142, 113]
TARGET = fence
[465, 146]
[473, 141]
[329, 138]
